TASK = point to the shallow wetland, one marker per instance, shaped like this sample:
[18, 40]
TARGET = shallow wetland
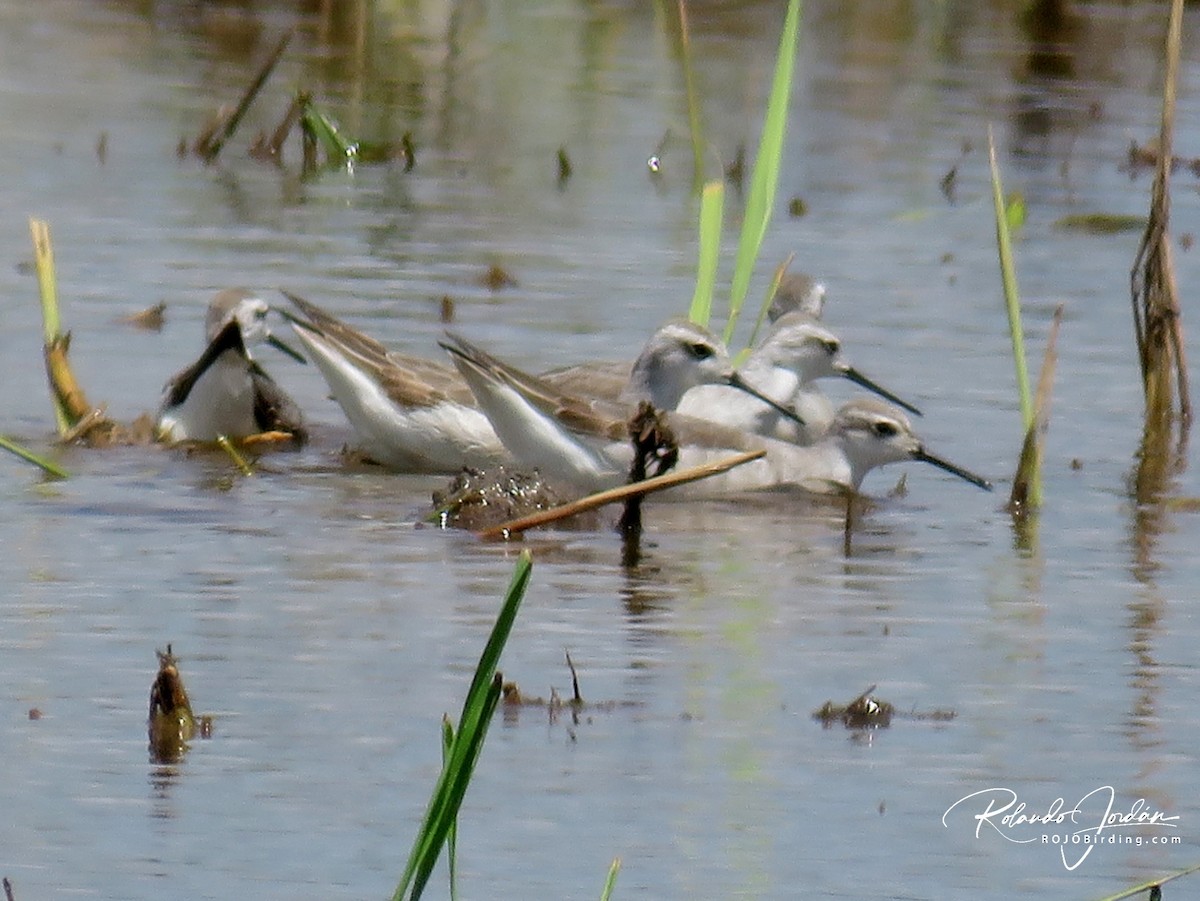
[325, 629]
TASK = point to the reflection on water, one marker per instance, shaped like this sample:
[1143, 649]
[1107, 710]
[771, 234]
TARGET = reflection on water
[336, 631]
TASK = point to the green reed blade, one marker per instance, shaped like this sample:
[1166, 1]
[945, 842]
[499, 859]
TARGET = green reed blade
[43, 259]
[452, 786]
[1028, 475]
[763, 182]
[232, 452]
[49, 468]
[481, 701]
[611, 882]
[1012, 297]
[452, 836]
[712, 204]
[338, 148]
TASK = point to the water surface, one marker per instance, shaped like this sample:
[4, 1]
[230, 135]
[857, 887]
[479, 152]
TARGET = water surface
[327, 632]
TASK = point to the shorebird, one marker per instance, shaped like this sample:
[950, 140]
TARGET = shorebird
[414, 415]
[800, 292]
[796, 352]
[580, 443]
[409, 413]
[225, 393]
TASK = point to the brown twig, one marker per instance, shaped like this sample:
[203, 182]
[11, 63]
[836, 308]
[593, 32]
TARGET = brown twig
[613, 495]
[577, 698]
[209, 145]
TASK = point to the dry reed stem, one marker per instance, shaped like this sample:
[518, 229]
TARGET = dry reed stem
[1158, 327]
[613, 495]
[1025, 492]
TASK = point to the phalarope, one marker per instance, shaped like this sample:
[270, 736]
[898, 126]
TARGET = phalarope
[225, 393]
[409, 413]
[797, 351]
[799, 292]
[585, 445]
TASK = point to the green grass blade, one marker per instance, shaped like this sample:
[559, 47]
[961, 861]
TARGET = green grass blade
[611, 882]
[49, 468]
[490, 659]
[452, 787]
[761, 199]
[337, 147]
[1012, 296]
[452, 836]
[1028, 471]
[712, 203]
[43, 258]
[480, 704]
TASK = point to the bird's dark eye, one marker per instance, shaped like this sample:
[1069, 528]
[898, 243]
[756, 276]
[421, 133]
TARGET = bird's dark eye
[699, 350]
[831, 346]
[884, 429]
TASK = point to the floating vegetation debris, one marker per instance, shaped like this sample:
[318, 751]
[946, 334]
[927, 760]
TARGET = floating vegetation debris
[564, 167]
[869, 712]
[514, 700]
[497, 278]
[150, 319]
[864, 712]
[1100, 223]
[171, 724]
[479, 499]
[320, 131]
[1147, 156]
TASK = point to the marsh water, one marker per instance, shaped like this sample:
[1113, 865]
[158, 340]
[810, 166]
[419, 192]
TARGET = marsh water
[327, 632]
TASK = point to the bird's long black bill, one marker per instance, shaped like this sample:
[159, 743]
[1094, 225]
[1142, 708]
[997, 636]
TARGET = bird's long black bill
[736, 381]
[859, 379]
[926, 457]
[281, 346]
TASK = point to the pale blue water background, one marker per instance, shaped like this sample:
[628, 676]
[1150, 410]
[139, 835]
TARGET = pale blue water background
[327, 634]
